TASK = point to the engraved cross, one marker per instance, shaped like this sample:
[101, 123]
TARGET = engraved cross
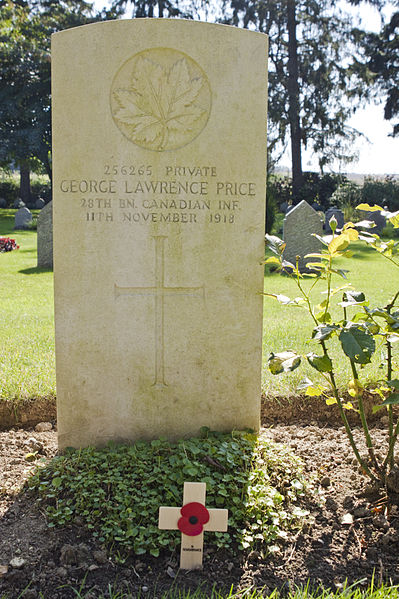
[159, 291]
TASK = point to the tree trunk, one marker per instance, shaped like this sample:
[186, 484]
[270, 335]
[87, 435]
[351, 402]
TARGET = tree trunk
[25, 192]
[293, 99]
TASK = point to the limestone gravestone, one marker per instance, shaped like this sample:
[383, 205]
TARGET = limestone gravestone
[23, 218]
[45, 237]
[299, 225]
[339, 216]
[159, 190]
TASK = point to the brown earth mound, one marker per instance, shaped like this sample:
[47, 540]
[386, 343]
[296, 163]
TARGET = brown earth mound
[354, 536]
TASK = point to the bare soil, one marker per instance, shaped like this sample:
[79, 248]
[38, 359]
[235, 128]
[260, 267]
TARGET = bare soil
[354, 536]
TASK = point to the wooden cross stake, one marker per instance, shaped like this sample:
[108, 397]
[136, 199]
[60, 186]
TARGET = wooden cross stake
[192, 520]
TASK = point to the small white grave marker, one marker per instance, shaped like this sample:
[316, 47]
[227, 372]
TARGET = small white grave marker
[192, 520]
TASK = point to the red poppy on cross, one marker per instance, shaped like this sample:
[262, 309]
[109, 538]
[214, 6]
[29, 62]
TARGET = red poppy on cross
[192, 520]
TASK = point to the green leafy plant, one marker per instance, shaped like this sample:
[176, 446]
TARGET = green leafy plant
[358, 329]
[116, 491]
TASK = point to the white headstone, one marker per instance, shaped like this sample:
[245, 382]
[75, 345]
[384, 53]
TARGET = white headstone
[159, 195]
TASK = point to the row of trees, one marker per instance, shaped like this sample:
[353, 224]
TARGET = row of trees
[321, 68]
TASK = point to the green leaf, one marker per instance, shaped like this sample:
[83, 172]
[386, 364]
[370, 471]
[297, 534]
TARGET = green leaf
[320, 363]
[311, 390]
[304, 384]
[353, 298]
[282, 299]
[324, 240]
[358, 345]
[337, 289]
[337, 244]
[394, 383]
[324, 317]
[330, 401]
[286, 301]
[341, 272]
[348, 406]
[393, 218]
[369, 208]
[392, 399]
[286, 264]
[275, 244]
[283, 362]
[365, 224]
[272, 260]
[315, 390]
[322, 332]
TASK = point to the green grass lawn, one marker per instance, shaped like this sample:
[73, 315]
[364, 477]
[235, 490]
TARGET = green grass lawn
[27, 318]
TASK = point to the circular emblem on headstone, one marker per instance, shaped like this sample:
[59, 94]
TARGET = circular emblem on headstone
[160, 99]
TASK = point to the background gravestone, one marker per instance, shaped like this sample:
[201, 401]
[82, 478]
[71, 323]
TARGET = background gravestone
[39, 204]
[45, 237]
[159, 189]
[23, 218]
[339, 215]
[299, 225]
[3, 203]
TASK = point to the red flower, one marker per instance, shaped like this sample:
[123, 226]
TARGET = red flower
[194, 516]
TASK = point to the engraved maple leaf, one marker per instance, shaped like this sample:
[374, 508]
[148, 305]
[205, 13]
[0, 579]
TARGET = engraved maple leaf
[159, 106]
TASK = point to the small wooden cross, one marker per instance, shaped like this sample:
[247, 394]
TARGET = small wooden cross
[192, 520]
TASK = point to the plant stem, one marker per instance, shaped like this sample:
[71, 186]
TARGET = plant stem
[390, 410]
[390, 455]
[391, 436]
[362, 463]
[328, 284]
[363, 419]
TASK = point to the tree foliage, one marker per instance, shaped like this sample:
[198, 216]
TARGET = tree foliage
[382, 59]
[310, 101]
[25, 115]
[148, 8]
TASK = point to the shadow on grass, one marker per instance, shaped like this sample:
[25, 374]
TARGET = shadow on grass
[35, 271]
[362, 253]
[25, 251]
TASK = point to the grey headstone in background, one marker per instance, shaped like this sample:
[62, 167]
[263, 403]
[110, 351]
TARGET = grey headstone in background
[338, 214]
[23, 218]
[379, 220]
[40, 204]
[3, 203]
[18, 203]
[45, 237]
[284, 207]
[299, 225]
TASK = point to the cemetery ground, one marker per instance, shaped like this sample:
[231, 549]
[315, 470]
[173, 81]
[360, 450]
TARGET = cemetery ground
[342, 532]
